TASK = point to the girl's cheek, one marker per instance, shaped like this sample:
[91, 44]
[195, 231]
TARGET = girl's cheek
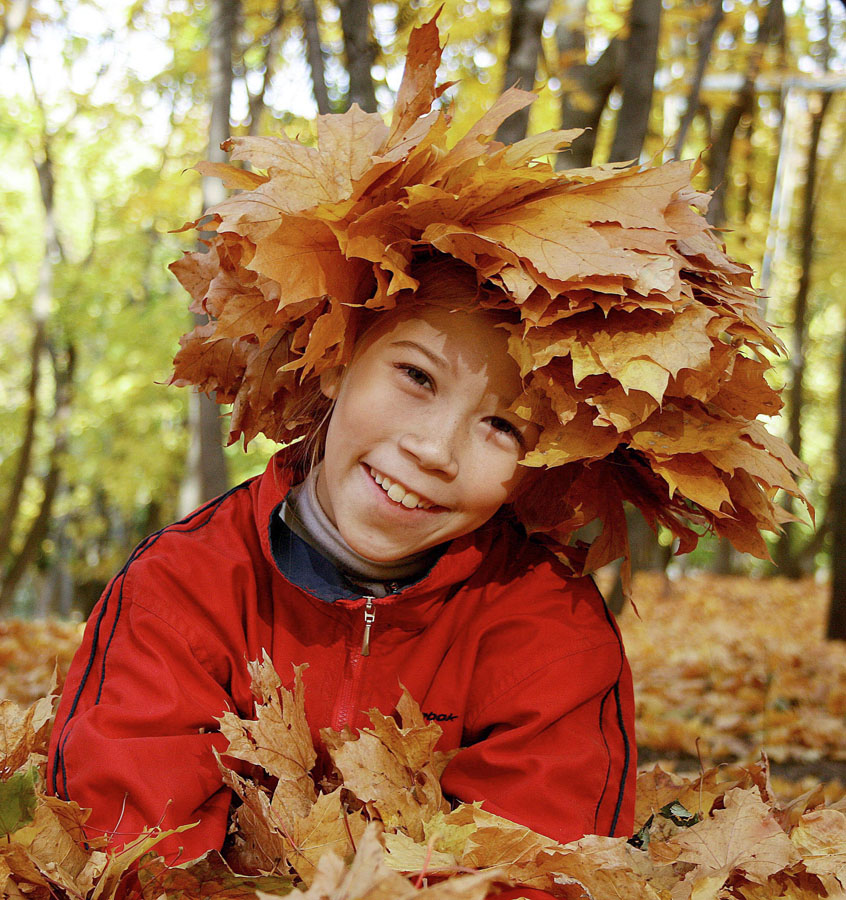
[499, 466]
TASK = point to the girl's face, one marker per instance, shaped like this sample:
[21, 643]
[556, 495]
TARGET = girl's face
[420, 447]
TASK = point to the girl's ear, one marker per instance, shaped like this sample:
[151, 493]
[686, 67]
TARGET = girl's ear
[330, 382]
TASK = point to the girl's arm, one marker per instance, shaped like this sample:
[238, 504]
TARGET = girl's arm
[135, 728]
[552, 746]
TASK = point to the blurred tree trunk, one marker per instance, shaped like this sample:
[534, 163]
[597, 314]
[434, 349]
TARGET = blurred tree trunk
[314, 53]
[63, 378]
[10, 563]
[704, 43]
[637, 80]
[585, 90]
[271, 44]
[837, 505]
[11, 506]
[745, 165]
[205, 469]
[524, 47]
[647, 555]
[360, 52]
[725, 559]
[787, 557]
[770, 29]
[57, 598]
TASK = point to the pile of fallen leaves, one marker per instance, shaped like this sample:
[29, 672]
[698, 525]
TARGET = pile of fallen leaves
[728, 667]
[639, 341]
[29, 653]
[382, 829]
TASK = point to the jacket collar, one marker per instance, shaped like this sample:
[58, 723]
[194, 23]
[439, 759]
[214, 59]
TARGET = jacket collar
[459, 562]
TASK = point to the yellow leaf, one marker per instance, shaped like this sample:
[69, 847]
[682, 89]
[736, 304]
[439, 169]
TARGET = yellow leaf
[696, 479]
[328, 828]
[232, 177]
[820, 837]
[403, 854]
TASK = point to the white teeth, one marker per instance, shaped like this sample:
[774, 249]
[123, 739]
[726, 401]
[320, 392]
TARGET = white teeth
[398, 493]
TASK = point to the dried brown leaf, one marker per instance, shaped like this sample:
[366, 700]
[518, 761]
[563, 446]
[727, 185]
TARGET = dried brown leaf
[393, 766]
[743, 836]
[278, 739]
[820, 837]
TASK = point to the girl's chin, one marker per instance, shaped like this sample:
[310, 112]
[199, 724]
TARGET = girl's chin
[383, 546]
[383, 554]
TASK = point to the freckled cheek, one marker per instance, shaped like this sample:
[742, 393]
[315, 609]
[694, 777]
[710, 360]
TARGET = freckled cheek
[373, 410]
[494, 478]
[512, 480]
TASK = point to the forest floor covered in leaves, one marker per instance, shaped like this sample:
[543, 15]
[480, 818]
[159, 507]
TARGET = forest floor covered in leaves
[728, 667]
[724, 668]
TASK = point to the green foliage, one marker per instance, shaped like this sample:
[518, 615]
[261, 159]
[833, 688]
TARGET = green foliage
[17, 800]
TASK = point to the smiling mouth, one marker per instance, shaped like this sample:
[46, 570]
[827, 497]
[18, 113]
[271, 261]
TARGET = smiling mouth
[399, 493]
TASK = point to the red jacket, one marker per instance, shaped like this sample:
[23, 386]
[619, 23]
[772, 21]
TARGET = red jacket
[518, 663]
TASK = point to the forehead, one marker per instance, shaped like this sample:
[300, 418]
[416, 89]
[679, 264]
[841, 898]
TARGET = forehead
[467, 333]
[470, 341]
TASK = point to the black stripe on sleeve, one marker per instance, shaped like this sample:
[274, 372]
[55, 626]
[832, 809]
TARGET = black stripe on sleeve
[627, 750]
[210, 509]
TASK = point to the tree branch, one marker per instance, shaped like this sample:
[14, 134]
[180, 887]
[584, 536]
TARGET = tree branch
[271, 50]
[586, 89]
[770, 26]
[360, 52]
[637, 80]
[705, 42]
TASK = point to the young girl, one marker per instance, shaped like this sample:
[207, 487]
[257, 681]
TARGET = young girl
[386, 564]
[467, 356]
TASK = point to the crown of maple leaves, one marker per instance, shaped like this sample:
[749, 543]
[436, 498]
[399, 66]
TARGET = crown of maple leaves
[639, 341]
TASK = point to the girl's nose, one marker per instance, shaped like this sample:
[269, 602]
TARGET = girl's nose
[433, 445]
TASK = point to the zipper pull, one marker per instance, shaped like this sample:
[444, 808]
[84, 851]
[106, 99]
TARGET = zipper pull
[369, 619]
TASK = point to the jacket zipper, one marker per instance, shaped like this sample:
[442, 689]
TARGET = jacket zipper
[349, 690]
[369, 619]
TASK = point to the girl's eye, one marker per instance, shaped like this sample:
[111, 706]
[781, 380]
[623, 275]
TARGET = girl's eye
[418, 376]
[504, 426]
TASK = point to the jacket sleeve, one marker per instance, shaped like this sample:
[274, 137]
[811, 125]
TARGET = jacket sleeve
[134, 734]
[552, 746]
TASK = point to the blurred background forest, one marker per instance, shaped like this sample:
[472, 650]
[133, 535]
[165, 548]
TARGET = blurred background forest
[105, 106]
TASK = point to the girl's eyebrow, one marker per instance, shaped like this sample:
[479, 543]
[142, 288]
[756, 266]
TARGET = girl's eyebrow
[435, 358]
